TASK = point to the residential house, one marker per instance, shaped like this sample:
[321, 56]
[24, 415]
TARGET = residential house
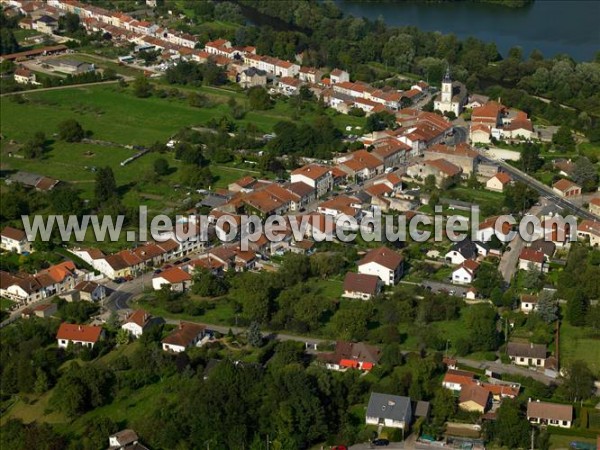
[127, 439]
[90, 291]
[491, 227]
[14, 240]
[392, 411]
[527, 354]
[185, 336]
[476, 100]
[84, 335]
[384, 263]
[444, 172]
[113, 266]
[519, 127]
[316, 176]
[391, 152]
[341, 205]
[528, 303]
[589, 229]
[46, 24]
[70, 66]
[475, 398]
[339, 76]
[136, 322]
[530, 259]
[362, 165]
[310, 74]
[88, 255]
[44, 311]
[541, 245]
[305, 193]
[461, 155]
[480, 133]
[489, 114]
[23, 75]
[461, 251]
[498, 182]
[252, 77]
[289, 86]
[350, 355]
[466, 272]
[455, 379]
[361, 286]
[177, 279]
[565, 167]
[594, 206]
[566, 188]
[553, 414]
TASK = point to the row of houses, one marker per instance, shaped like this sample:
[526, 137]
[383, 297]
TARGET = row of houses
[494, 120]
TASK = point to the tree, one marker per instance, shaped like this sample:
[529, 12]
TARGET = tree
[35, 147]
[547, 307]
[106, 186]
[578, 382]
[259, 98]
[585, 174]
[255, 338]
[511, 428]
[161, 166]
[577, 307]
[519, 197]
[122, 337]
[530, 160]
[70, 131]
[488, 280]
[142, 87]
[8, 42]
[563, 139]
[69, 22]
[66, 200]
[207, 284]
[481, 322]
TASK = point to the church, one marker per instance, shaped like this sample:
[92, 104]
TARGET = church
[453, 96]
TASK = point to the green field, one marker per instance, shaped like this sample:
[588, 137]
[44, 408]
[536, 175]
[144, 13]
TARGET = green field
[580, 343]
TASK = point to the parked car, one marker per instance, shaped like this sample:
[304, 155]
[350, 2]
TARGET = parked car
[157, 271]
[380, 442]
[186, 259]
[119, 280]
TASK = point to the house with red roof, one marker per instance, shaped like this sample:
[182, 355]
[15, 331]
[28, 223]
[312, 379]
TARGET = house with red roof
[442, 170]
[350, 355]
[594, 206]
[316, 176]
[136, 322]
[361, 286]
[566, 188]
[480, 133]
[177, 279]
[499, 182]
[466, 272]
[84, 335]
[489, 114]
[14, 240]
[185, 336]
[492, 226]
[455, 379]
[383, 263]
[530, 259]
[339, 76]
[589, 229]
[474, 397]
[362, 165]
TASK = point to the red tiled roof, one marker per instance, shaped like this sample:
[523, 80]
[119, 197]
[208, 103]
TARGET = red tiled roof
[83, 333]
[139, 317]
[564, 185]
[384, 257]
[174, 275]
[185, 334]
[358, 282]
[444, 166]
[550, 411]
[474, 393]
[312, 171]
[528, 254]
[14, 233]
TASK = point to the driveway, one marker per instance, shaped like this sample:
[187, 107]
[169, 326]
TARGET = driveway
[438, 286]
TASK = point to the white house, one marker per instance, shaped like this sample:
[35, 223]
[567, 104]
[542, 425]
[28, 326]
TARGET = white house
[456, 379]
[185, 336]
[498, 182]
[125, 439]
[545, 413]
[137, 322]
[84, 335]
[530, 259]
[14, 240]
[90, 291]
[527, 354]
[461, 251]
[465, 273]
[364, 287]
[178, 279]
[317, 177]
[383, 263]
[339, 76]
[528, 303]
[388, 410]
[487, 229]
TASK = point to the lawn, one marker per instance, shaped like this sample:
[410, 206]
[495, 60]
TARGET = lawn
[478, 196]
[5, 304]
[580, 343]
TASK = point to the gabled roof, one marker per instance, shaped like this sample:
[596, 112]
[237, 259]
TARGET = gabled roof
[466, 248]
[83, 333]
[444, 166]
[14, 234]
[359, 352]
[139, 317]
[312, 171]
[301, 189]
[387, 406]
[527, 350]
[503, 178]
[490, 222]
[87, 286]
[384, 257]
[459, 377]
[528, 254]
[358, 282]
[174, 275]
[564, 185]
[474, 393]
[185, 334]
[550, 411]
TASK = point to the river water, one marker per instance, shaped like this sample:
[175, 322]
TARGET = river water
[551, 26]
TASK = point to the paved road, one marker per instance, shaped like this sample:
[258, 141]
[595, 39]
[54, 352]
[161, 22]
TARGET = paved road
[541, 188]
[498, 367]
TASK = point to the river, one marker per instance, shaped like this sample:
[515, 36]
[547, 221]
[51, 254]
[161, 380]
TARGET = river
[551, 26]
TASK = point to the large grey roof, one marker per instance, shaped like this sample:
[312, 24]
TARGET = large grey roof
[389, 406]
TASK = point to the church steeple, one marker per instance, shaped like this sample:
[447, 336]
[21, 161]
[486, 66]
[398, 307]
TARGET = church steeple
[447, 78]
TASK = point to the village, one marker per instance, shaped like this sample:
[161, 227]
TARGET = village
[434, 152]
